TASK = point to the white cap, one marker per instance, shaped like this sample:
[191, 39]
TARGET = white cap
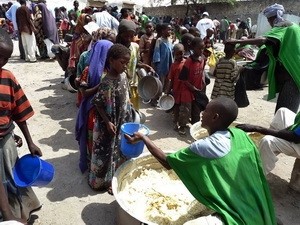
[205, 14]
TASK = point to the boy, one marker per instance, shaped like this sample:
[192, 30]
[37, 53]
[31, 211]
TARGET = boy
[192, 75]
[226, 74]
[14, 108]
[145, 43]
[174, 83]
[162, 56]
[222, 171]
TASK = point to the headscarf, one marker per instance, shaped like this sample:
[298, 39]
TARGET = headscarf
[79, 29]
[49, 25]
[96, 67]
[275, 10]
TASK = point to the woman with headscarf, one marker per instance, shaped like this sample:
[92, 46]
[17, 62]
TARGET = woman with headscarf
[39, 33]
[80, 42]
[283, 48]
[49, 28]
[88, 83]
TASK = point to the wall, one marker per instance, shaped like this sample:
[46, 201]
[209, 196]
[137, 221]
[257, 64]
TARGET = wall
[240, 10]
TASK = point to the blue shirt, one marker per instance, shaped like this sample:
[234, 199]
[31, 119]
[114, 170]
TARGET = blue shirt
[11, 14]
[216, 145]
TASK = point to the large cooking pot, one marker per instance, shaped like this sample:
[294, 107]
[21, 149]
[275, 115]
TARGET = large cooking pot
[126, 174]
[150, 87]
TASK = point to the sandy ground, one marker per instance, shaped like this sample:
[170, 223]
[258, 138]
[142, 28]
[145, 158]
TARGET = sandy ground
[68, 198]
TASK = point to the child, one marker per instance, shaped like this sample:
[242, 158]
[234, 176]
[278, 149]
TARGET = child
[145, 43]
[162, 56]
[208, 42]
[192, 75]
[126, 33]
[15, 107]
[111, 102]
[186, 41]
[226, 74]
[175, 83]
[88, 84]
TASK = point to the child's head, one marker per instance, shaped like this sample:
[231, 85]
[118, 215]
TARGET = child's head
[186, 40]
[126, 32]
[209, 32]
[178, 52]
[229, 50]
[166, 30]
[6, 47]
[149, 27]
[219, 114]
[197, 46]
[118, 58]
[194, 31]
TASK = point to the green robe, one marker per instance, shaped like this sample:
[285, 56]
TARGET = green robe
[234, 185]
[289, 55]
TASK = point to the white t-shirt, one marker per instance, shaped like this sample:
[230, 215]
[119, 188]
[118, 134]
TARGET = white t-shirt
[216, 145]
[203, 25]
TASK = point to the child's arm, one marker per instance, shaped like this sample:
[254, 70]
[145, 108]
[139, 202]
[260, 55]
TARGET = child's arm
[109, 125]
[34, 150]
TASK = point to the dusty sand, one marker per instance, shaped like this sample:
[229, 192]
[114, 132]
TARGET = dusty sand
[68, 198]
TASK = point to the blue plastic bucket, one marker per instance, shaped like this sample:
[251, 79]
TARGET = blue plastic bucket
[32, 171]
[132, 150]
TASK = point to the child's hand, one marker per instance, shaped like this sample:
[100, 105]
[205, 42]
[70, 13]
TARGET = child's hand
[35, 150]
[111, 128]
[135, 138]
[18, 140]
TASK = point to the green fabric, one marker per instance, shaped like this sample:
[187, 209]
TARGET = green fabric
[289, 55]
[296, 122]
[233, 185]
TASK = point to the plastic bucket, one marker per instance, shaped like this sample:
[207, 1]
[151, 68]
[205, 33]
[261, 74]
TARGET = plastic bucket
[32, 171]
[132, 150]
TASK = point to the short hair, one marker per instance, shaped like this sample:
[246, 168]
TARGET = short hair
[178, 47]
[5, 42]
[227, 110]
[196, 41]
[164, 26]
[117, 51]
[186, 38]
[229, 48]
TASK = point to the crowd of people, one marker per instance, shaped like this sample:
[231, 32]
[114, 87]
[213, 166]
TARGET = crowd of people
[106, 48]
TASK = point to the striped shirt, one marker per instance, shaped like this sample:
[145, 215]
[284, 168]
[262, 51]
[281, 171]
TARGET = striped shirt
[226, 74]
[14, 105]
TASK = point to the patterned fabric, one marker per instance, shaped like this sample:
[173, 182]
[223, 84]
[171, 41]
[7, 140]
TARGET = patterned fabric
[39, 33]
[14, 104]
[106, 157]
[226, 74]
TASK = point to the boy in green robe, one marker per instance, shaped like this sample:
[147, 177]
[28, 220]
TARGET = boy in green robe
[222, 171]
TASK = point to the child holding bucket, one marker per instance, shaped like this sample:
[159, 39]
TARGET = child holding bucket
[14, 107]
[111, 102]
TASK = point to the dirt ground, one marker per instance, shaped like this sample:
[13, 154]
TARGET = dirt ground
[68, 198]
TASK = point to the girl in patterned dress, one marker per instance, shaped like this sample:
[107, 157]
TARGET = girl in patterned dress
[111, 102]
